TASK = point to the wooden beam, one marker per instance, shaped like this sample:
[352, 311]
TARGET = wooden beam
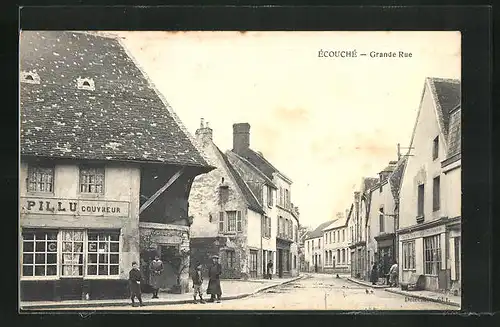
[161, 190]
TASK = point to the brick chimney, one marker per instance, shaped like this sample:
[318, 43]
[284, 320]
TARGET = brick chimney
[204, 133]
[241, 137]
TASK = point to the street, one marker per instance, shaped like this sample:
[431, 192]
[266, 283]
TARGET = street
[314, 292]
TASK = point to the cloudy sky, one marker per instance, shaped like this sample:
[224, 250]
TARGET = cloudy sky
[324, 122]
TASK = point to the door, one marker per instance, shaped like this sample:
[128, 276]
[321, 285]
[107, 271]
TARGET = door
[457, 257]
[280, 263]
[71, 286]
[171, 261]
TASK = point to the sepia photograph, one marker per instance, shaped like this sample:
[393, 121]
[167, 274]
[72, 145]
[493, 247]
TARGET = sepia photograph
[253, 170]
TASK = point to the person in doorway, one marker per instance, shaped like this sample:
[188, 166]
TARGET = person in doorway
[214, 273]
[374, 274]
[134, 278]
[155, 271]
[393, 274]
[270, 269]
[197, 282]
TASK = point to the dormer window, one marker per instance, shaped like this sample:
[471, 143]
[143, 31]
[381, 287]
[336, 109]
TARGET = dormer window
[85, 84]
[30, 77]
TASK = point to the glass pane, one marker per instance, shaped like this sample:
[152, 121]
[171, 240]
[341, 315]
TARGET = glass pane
[92, 237]
[28, 246]
[78, 247]
[114, 247]
[103, 269]
[92, 258]
[51, 270]
[113, 258]
[103, 237]
[92, 246]
[91, 270]
[27, 270]
[51, 258]
[28, 258]
[103, 247]
[113, 270]
[52, 247]
[28, 236]
[40, 246]
[78, 236]
[103, 258]
[67, 247]
[67, 236]
[40, 258]
[39, 270]
[114, 237]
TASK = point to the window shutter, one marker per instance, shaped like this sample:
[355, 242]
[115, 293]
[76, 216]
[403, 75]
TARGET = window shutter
[239, 226]
[221, 221]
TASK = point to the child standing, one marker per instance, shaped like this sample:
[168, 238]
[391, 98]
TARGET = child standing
[197, 282]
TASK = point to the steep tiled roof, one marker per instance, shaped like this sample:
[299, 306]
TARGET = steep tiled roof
[455, 133]
[447, 93]
[122, 119]
[248, 164]
[260, 163]
[318, 232]
[250, 199]
[396, 177]
[369, 183]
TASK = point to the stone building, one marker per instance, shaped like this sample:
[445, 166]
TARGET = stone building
[280, 213]
[105, 170]
[429, 209]
[314, 247]
[336, 250]
[227, 215]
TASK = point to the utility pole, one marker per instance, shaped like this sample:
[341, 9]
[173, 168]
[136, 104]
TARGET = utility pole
[405, 148]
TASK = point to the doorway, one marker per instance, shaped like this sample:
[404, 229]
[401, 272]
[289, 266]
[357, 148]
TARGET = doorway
[280, 263]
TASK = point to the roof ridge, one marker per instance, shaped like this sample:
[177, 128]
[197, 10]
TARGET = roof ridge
[252, 166]
[444, 79]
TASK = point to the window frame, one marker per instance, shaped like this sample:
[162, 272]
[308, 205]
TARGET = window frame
[270, 198]
[436, 194]
[86, 257]
[239, 222]
[435, 148]
[230, 220]
[438, 263]
[221, 222]
[95, 167]
[421, 200]
[34, 252]
[408, 248]
[34, 167]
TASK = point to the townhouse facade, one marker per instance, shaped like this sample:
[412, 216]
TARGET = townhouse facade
[314, 248]
[102, 181]
[336, 250]
[226, 214]
[429, 212]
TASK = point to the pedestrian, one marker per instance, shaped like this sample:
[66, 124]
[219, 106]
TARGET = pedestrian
[214, 273]
[393, 274]
[155, 271]
[270, 269]
[134, 278]
[374, 274]
[197, 282]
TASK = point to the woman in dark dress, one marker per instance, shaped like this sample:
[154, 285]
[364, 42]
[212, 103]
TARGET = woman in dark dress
[134, 279]
[374, 274]
[155, 278]
[214, 272]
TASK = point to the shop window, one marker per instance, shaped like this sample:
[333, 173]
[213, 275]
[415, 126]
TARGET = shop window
[432, 255]
[72, 253]
[92, 180]
[39, 253]
[408, 255]
[103, 254]
[41, 179]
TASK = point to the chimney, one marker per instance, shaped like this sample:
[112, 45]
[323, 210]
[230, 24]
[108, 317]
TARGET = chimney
[204, 133]
[241, 137]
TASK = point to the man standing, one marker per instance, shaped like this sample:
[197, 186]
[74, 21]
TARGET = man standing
[270, 269]
[214, 272]
[393, 273]
[197, 282]
[155, 270]
[134, 278]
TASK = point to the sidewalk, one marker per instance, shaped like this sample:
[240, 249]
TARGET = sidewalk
[231, 289]
[365, 283]
[428, 296]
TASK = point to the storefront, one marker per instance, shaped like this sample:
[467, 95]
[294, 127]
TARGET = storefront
[385, 252]
[454, 255]
[422, 251]
[283, 258]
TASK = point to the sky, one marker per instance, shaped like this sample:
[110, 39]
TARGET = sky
[324, 122]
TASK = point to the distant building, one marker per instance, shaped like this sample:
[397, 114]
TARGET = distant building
[314, 247]
[430, 196]
[105, 171]
[227, 215]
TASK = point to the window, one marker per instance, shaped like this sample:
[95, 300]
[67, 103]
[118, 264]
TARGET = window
[343, 235]
[41, 179]
[253, 263]
[432, 255]
[296, 234]
[39, 254]
[420, 208]
[281, 196]
[92, 180]
[381, 219]
[294, 262]
[267, 227]
[72, 253]
[338, 256]
[435, 148]
[231, 221]
[408, 255]
[269, 196]
[103, 253]
[238, 221]
[221, 221]
[343, 255]
[230, 260]
[287, 202]
[334, 237]
[436, 193]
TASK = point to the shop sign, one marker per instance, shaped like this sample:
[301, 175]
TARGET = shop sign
[423, 233]
[74, 207]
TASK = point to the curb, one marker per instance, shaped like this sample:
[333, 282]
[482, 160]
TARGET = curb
[366, 284]
[424, 298]
[118, 303]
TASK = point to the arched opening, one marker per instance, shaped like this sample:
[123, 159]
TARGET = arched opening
[29, 78]
[86, 83]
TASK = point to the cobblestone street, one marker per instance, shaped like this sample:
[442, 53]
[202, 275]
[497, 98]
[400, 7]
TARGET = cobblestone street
[315, 292]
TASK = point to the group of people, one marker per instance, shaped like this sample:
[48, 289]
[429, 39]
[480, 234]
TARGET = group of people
[156, 269]
[392, 276]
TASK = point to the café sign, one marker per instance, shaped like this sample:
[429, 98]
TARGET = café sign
[74, 207]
